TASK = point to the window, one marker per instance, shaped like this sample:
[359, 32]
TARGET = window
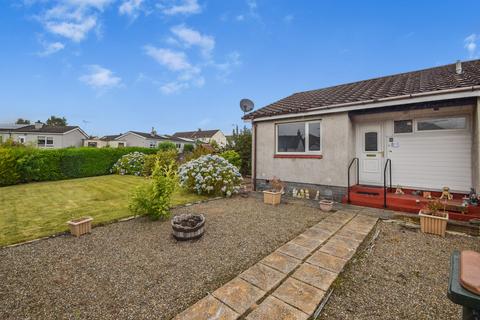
[371, 141]
[121, 145]
[442, 124]
[153, 144]
[298, 137]
[43, 142]
[92, 144]
[21, 139]
[403, 126]
[179, 146]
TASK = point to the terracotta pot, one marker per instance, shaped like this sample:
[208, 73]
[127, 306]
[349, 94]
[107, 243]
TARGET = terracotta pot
[326, 205]
[80, 226]
[433, 224]
[272, 197]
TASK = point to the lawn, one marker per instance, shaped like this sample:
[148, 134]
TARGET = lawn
[34, 210]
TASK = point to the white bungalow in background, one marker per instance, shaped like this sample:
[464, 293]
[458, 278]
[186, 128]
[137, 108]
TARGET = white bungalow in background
[204, 136]
[42, 136]
[138, 139]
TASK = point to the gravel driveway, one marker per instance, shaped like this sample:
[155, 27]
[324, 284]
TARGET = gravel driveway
[405, 276]
[136, 270]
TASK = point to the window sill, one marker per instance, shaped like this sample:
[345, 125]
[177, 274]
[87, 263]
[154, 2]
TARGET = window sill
[298, 156]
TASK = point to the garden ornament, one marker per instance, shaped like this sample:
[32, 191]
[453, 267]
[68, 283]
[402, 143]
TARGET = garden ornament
[446, 195]
[399, 190]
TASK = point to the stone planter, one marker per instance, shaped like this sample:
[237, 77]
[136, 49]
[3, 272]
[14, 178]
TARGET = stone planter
[433, 224]
[188, 226]
[80, 226]
[272, 197]
[326, 205]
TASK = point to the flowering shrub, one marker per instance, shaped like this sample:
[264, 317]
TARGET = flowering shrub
[210, 174]
[131, 163]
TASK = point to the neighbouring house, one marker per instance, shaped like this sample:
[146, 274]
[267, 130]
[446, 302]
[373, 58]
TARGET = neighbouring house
[105, 141]
[43, 136]
[152, 140]
[204, 136]
[422, 126]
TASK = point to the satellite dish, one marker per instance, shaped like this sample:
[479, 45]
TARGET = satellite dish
[246, 105]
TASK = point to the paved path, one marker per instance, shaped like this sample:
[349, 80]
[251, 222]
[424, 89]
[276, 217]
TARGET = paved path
[292, 281]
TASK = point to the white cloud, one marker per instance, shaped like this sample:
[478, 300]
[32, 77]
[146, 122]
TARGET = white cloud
[240, 17]
[173, 87]
[73, 19]
[471, 44]
[226, 68]
[185, 7]
[75, 31]
[130, 8]
[173, 60]
[50, 48]
[99, 77]
[190, 37]
[252, 4]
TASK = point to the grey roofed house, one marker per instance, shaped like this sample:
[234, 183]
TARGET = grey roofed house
[44, 136]
[204, 136]
[152, 139]
[423, 124]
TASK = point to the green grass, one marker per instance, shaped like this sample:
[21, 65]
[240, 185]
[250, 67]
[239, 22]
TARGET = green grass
[35, 210]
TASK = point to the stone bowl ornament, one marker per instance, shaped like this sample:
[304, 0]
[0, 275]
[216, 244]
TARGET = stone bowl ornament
[188, 226]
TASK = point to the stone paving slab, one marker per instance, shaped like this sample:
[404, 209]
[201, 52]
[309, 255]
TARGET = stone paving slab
[281, 262]
[263, 276]
[327, 261]
[275, 309]
[291, 281]
[239, 295]
[315, 276]
[208, 308]
[300, 295]
[294, 250]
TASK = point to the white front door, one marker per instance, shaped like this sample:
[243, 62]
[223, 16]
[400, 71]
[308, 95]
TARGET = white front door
[370, 152]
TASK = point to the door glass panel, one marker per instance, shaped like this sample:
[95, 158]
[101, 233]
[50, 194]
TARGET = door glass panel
[291, 137]
[371, 141]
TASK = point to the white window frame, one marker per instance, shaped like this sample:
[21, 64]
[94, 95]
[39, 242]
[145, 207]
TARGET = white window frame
[46, 145]
[152, 144]
[307, 137]
[466, 117]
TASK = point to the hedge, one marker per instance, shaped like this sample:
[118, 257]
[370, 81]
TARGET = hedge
[22, 165]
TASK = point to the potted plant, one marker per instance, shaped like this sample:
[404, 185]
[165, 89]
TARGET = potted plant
[80, 226]
[274, 194]
[326, 205]
[432, 220]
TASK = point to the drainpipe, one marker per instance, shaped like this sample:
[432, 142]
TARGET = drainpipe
[254, 162]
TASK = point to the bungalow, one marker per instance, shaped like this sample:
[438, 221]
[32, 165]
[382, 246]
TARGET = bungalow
[204, 136]
[151, 140]
[418, 130]
[105, 141]
[43, 136]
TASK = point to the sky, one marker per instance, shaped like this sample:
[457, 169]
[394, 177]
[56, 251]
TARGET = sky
[111, 66]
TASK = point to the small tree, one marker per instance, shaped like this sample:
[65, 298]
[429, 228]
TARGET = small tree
[187, 148]
[22, 121]
[241, 142]
[153, 199]
[56, 121]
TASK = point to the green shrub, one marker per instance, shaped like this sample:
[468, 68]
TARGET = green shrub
[164, 157]
[199, 151]
[26, 164]
[210, 174]
[187, 148]
[233, 157]
[130, 164]
[153, 199]
[167, 145]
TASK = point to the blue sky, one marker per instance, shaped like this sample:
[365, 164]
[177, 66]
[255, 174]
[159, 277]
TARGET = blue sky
[117, 65]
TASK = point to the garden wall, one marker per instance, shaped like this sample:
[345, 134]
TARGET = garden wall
[22, 165]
